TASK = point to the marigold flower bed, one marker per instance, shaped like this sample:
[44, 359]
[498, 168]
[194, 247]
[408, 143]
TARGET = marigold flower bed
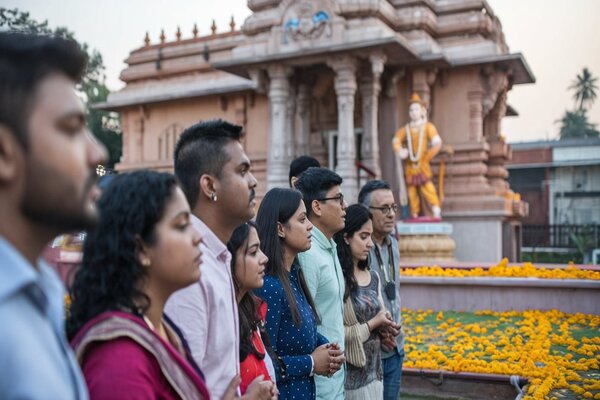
[502, 269]
[558, 352]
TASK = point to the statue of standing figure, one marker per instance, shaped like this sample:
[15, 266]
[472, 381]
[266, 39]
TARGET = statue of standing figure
[418, 143]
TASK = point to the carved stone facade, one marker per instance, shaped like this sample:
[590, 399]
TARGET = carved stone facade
[332, 79]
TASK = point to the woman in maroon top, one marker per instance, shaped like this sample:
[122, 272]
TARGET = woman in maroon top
[142, 250]
[248, 270]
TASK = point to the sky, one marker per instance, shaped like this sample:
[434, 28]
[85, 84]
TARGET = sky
[557, 38]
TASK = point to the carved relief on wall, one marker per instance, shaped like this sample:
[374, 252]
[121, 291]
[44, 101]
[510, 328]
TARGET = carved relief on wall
[166, 141]
[306, 20]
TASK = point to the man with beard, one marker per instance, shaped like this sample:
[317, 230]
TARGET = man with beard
[326, 210]
[214, 172]
[377, 196]
[47, 186]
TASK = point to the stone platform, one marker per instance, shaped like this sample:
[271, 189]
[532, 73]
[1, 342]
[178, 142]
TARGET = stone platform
[500, 294]
[425, 242]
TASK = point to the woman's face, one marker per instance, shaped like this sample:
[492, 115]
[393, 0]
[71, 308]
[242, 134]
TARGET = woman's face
[296, 231]
[175, 257]
[250, 264]
[360, 242]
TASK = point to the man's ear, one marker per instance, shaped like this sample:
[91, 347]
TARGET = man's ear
[280, 230]
[316, 208]
[11, 155]
[207, 186]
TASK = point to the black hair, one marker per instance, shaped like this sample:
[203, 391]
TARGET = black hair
[200, 150]
[314, 183]
[110, 275]
[247, 310]
[356, 216]
[301, 164]
[364, 196]
[279, 205]
[25, 60]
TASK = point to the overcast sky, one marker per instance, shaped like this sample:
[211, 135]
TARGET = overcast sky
[558, 39]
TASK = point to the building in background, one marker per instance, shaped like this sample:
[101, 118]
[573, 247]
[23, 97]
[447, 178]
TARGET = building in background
[560, 179]
[332, 79]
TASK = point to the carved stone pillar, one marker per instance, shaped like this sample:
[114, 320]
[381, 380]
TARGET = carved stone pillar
[388, 123]
[345, 88]
[475, 98]
[422, 81]
[137, 150]
[290, 120]
[280, 139]
[369, 91]
[497, 173]
[303, 110]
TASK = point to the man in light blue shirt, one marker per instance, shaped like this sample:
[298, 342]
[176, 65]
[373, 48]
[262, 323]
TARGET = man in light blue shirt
[47, 187]
[326, 210]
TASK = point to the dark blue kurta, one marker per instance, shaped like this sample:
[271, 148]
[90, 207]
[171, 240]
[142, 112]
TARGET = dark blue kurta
[292, 343]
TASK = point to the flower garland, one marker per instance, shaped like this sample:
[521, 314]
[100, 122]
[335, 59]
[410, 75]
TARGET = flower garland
[415, 158]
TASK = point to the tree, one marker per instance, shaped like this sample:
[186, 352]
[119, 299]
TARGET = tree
[103, 124]
[585, 89]
[575, 124]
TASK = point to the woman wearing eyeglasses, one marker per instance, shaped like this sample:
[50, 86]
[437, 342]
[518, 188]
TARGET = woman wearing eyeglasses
[364, 312]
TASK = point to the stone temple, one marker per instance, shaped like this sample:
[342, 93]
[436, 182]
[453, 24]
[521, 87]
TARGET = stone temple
[332, 79]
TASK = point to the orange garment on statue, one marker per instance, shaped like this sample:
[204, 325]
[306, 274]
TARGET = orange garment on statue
[418, 174]
[422, 165]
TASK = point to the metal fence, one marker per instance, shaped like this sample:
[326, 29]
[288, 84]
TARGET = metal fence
[561, 236]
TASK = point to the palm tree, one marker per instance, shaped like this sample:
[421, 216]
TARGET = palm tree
[585, 89]
[574, 124]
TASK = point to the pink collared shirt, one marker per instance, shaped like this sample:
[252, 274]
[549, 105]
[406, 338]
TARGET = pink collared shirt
[207, 314]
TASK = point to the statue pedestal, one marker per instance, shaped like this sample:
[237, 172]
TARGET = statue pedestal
[425, 242]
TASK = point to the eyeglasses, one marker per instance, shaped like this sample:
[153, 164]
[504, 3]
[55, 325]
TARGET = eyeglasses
[385, 210]
[339, 197]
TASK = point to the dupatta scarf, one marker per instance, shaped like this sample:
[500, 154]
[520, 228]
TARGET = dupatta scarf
[177, 370]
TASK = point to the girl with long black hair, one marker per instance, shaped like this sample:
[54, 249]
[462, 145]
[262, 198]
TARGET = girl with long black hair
[284, 231]
[248, 270]
[364, 313]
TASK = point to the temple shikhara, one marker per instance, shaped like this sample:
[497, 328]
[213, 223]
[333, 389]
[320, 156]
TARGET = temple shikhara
[333, 79]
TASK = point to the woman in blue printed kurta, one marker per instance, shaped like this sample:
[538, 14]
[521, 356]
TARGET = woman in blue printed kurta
[291, 324]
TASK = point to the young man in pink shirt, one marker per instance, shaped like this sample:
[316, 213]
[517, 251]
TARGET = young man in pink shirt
[214, 172]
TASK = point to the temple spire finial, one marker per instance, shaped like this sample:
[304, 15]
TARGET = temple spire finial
[147, 39]
[162, 36]
[178, 34]
[213, 27]
[195, 30]
[232, 24]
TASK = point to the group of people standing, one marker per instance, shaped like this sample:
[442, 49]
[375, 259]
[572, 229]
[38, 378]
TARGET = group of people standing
[183, 292]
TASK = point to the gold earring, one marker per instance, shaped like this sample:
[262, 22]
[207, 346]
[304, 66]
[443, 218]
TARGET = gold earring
[146, 262]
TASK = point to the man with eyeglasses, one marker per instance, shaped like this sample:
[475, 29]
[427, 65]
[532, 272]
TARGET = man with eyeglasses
[378, 197]
[326, 210]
